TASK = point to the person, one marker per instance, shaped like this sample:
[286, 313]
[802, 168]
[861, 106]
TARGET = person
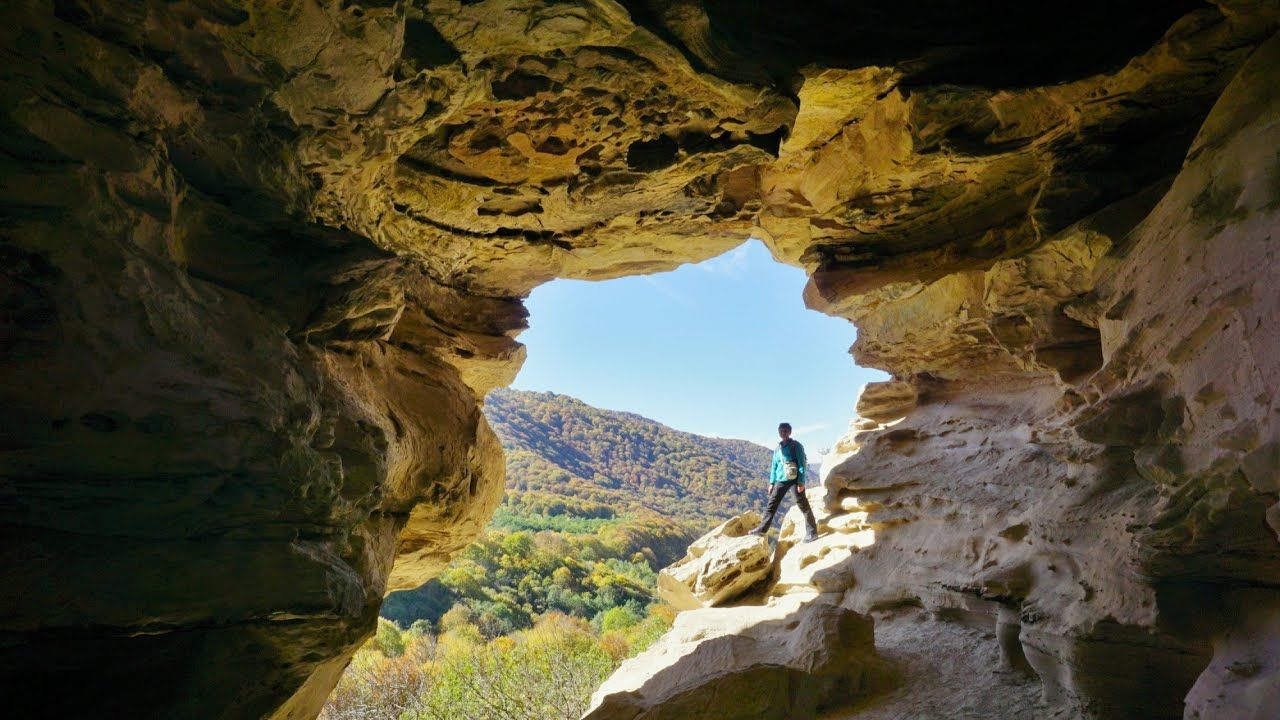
[788, 472]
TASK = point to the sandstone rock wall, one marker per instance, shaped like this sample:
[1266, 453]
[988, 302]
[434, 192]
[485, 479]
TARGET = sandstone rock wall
[222, 420]
[1120, 520]
[262, 260]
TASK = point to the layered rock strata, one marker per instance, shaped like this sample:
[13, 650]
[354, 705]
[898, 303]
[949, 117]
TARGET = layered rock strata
[263, 260]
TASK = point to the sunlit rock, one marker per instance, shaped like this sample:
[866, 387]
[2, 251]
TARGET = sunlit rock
[1099, 501]
[719, 566]
[887, 401]
[821, 565]
[785, 660]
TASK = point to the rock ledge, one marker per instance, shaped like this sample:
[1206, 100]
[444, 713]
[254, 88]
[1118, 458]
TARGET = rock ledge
[720, 566]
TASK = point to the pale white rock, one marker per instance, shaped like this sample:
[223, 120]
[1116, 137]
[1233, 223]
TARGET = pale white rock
[887, 401]
[845, 446]
[822, 565]
[849, 504]
[787, 659]
[849, 522]
[719, 566]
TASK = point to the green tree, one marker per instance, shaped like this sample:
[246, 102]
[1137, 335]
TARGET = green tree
[618, 618]
[388, 638]
[457, 616]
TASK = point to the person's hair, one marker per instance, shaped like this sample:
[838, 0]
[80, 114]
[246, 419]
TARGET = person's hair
[784, 425]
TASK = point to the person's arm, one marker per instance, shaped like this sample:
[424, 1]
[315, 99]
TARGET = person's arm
[803, 461]
[773, 467]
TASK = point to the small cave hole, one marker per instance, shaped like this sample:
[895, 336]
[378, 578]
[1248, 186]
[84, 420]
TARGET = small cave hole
[426, 47]
[521, 84]
[650, 155]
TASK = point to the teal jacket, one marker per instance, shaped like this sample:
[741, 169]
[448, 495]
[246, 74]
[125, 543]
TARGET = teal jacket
[776, 474]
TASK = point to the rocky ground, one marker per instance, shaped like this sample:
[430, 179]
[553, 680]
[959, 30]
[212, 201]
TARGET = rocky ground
[947, 671]
[743, 628]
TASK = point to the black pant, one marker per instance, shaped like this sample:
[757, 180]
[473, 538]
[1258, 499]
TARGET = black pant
[777, 492]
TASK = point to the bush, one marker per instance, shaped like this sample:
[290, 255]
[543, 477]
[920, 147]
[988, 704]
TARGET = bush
[388, 639]
[376, 686]
[457, 616]
[546, 673]
[616, 618]
[643, 634]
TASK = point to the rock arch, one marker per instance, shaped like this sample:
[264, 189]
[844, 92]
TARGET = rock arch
[262, 259]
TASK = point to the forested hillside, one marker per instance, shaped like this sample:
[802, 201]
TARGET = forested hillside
[567, 457]
[597, 502]
[561, 587]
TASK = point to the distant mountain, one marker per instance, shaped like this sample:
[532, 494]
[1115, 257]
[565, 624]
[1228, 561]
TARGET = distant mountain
[565, 457]
[596, 502]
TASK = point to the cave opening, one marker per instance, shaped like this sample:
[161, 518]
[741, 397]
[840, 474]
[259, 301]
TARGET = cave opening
[644, 415]
[262, 267]
[724, 347]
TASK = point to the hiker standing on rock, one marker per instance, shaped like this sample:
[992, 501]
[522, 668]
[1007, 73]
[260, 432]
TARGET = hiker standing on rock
[788, 471]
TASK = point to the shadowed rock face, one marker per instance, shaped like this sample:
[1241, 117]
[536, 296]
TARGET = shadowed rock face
[1000, 44]
[262, 260]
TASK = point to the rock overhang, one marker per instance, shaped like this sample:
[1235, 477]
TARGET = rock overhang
[292, 239]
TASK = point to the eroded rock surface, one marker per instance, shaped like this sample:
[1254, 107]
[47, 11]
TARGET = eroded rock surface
[787, 659]
[1111, 519]
[262, 261]
[820, 565]
[719, 566]
[785, 650]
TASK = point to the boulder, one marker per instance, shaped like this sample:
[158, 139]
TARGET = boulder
[719, 566]
[788, 659]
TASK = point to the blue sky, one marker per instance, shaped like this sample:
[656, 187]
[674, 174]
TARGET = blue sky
[725, 347]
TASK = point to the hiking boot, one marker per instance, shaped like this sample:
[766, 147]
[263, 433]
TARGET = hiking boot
[763, 528]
